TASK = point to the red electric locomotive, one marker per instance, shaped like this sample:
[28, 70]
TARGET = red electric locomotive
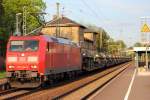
[33, 60]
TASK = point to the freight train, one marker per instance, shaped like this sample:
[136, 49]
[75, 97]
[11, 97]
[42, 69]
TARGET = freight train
[33, 61]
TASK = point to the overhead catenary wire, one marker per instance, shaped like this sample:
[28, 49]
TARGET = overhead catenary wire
[79, 11]
[76, 13]
[97, 16]
[90, 8]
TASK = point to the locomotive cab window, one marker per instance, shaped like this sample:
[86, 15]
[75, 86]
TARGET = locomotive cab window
[24, 45]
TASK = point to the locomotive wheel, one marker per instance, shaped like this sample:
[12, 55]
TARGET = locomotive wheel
[6, 86]
[3, 87]
[44, 85]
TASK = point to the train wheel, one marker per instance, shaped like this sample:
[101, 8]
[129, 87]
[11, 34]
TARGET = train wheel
[8, 86]
[3, 87]
[51, 82]
[44, 85]
[69, 75]
[72, 75]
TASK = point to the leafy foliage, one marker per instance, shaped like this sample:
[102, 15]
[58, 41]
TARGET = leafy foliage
[106, 44]
[1, 17]
[12, 7]
[138, 44]
[8, 11]
[101, 38]
[115, 47]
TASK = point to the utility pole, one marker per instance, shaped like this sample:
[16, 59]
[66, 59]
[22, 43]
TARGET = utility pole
[145, 39]
[24, 20]
[101, 38]
[58, 21]
[24, 15]
[120, 49]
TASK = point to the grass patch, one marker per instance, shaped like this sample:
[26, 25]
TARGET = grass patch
[2, 74]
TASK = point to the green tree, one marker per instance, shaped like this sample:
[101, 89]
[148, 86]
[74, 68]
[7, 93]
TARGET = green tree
[114, 47]
[1, 17]
[101, 38]
[121, 44]
[1, 10]
[137, 44]
[12, 7]
[8, 11]
[105, 38]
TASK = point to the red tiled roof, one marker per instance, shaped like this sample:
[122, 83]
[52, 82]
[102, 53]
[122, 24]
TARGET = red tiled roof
[64, 21]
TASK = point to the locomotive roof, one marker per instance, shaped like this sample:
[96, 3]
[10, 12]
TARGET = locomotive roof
[47, 38]
[63, 21]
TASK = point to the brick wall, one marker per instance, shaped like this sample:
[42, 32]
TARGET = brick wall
[73, 33]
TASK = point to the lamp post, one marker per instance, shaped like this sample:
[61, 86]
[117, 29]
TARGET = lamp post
[17, 23]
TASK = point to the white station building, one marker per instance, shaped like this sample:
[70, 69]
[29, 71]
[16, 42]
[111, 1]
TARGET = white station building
[142, 56]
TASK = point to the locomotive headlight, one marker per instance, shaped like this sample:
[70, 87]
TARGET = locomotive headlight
[11, 67]
[12, 59]
[96, 55]
[84, 54]
[32, 59]
[34, 66]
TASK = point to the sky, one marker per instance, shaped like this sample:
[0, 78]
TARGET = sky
[121, 19]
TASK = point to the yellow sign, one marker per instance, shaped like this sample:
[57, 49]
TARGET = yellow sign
[145, 28]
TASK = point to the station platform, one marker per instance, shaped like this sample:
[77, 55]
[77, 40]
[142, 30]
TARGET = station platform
[132, 84]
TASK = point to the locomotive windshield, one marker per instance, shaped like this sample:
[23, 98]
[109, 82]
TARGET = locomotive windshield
[24, 45]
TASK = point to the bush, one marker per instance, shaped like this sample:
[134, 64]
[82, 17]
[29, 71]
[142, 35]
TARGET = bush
[2, 74]
[2, 64]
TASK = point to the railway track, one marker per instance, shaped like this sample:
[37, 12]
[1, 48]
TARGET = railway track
[15, 93]
[4, 84]
[85, 91]
[4, 92]
[79, 89]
